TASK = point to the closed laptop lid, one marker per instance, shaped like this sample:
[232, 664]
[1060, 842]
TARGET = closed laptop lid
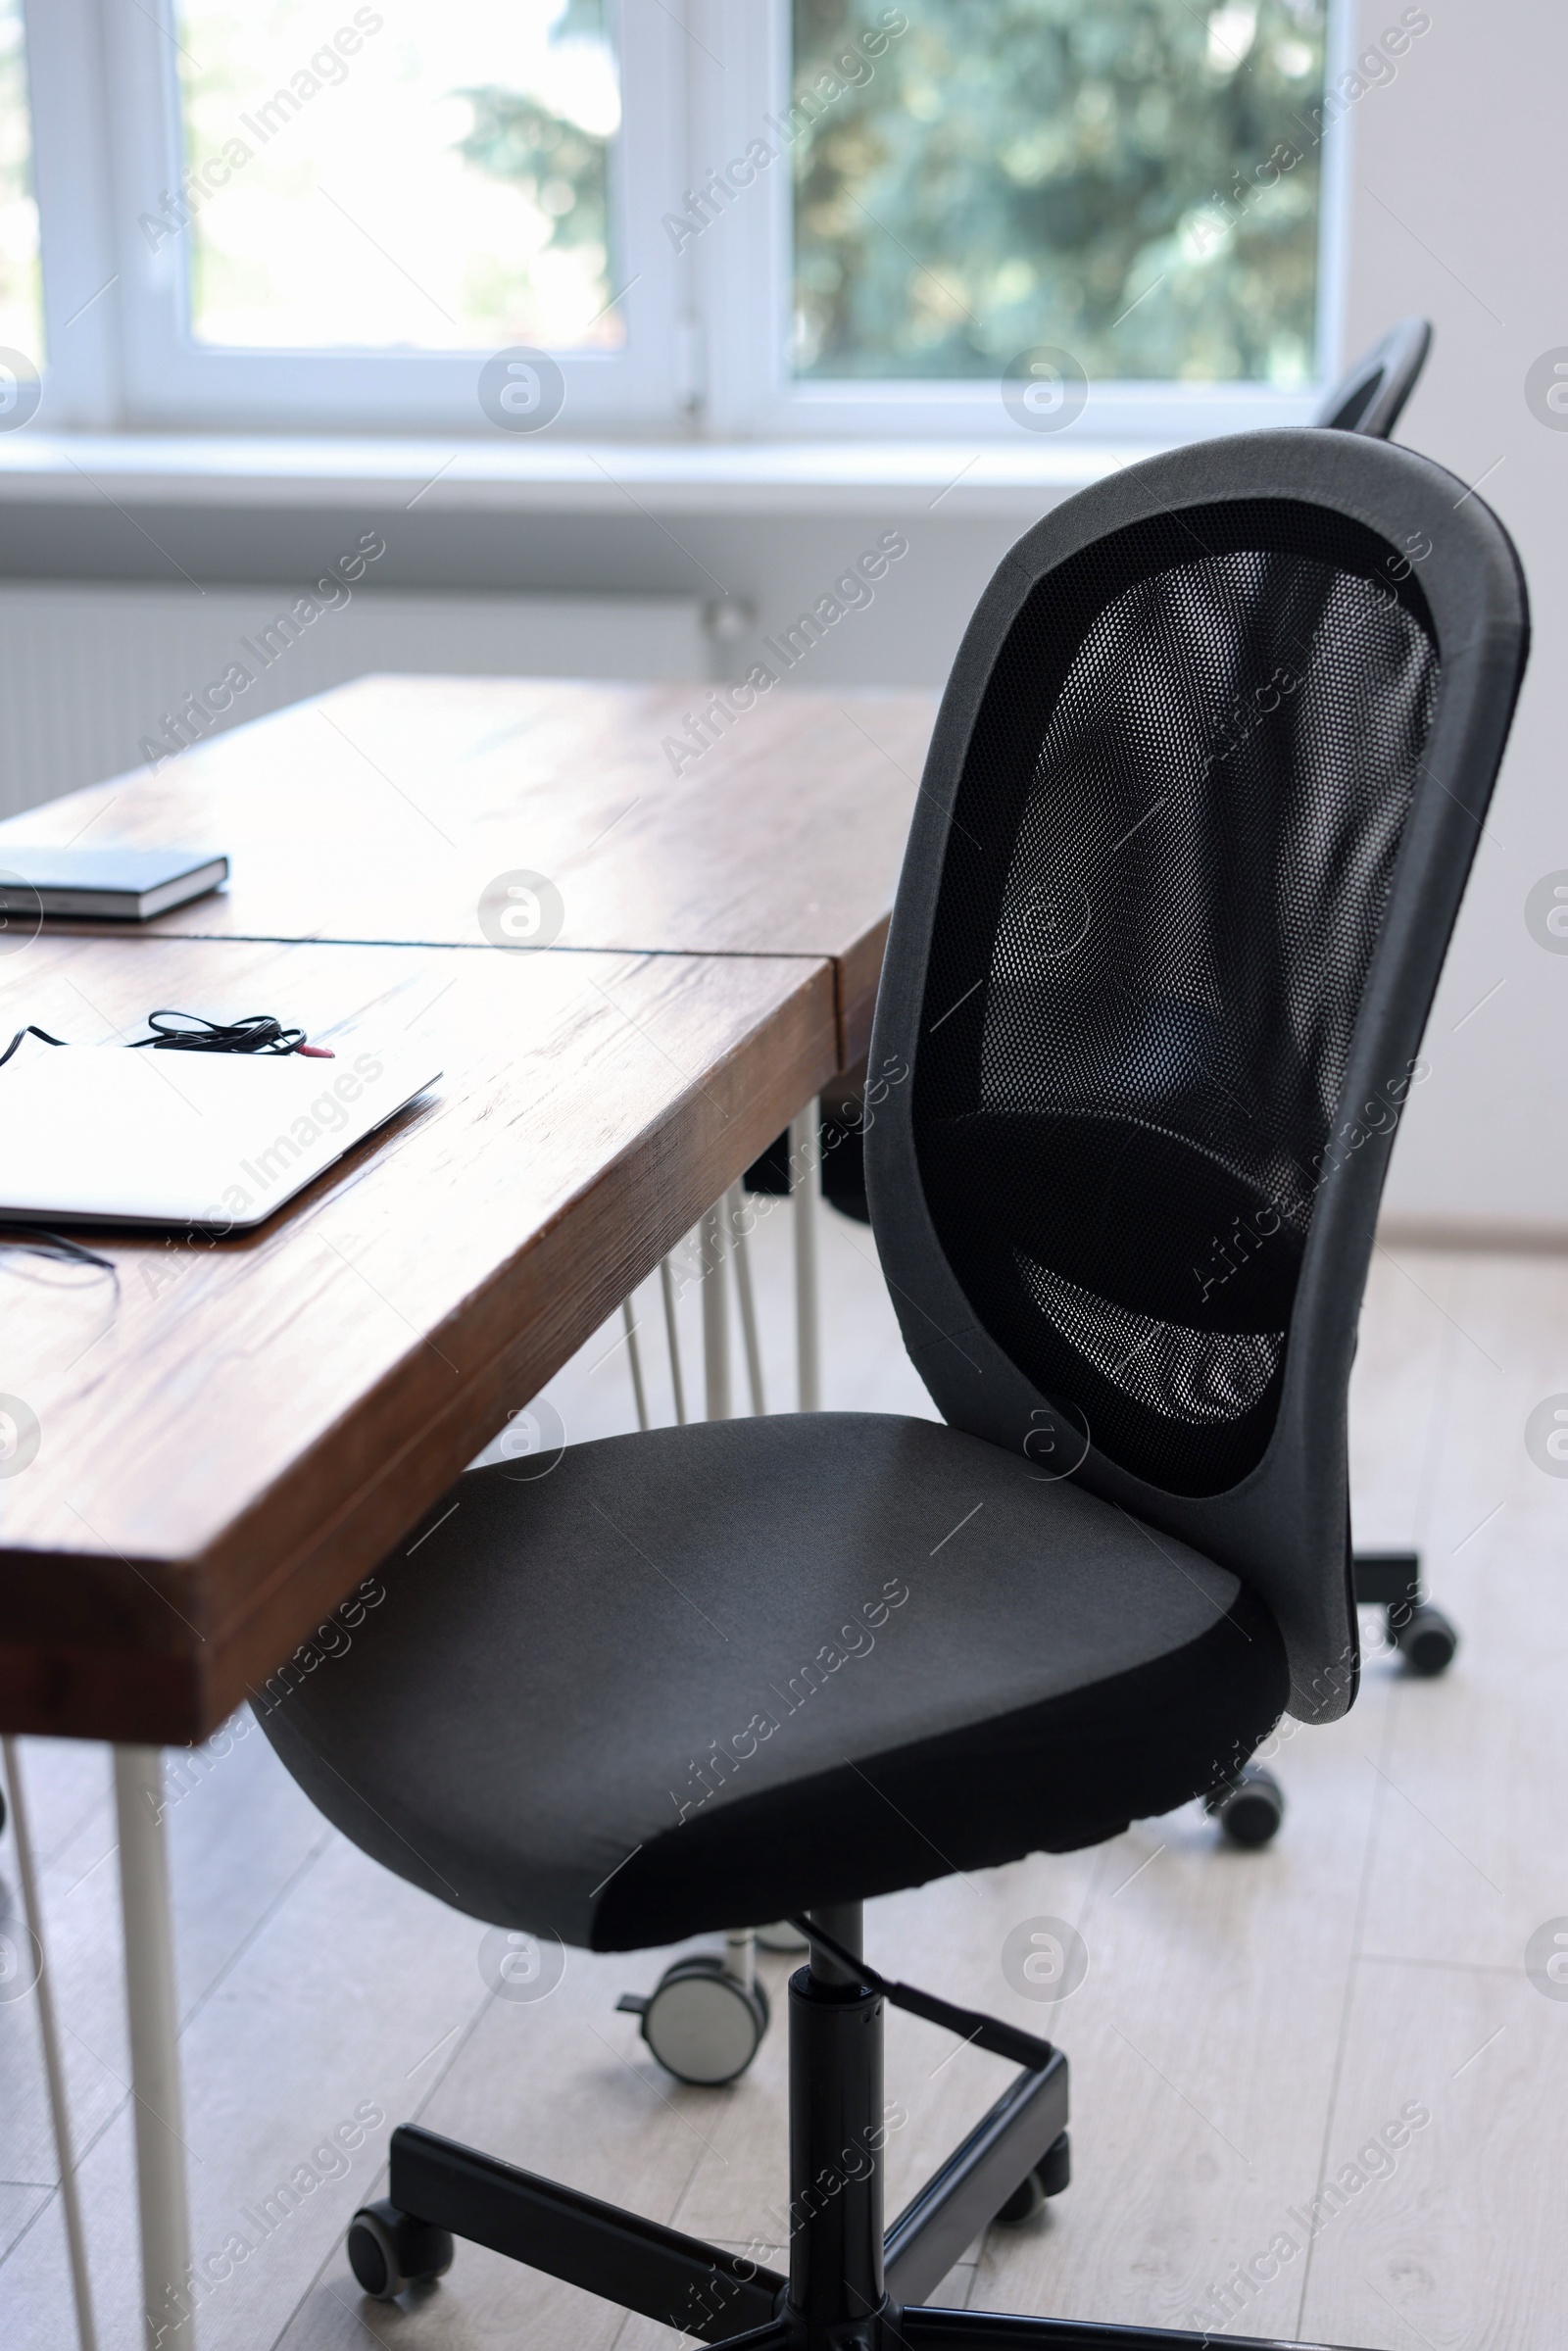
[107, 1134]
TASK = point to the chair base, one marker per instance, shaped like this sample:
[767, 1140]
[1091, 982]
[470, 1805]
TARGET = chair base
[1391, 1581]
[850, 2288]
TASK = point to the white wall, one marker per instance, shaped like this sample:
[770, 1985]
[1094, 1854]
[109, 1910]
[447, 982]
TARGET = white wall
[1466, 148]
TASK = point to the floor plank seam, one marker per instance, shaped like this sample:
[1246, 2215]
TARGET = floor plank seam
[319, 2278]
[238, 1955]
[1348, 1995]
[1459, 1967]
[27, 2229]
[47, 1860]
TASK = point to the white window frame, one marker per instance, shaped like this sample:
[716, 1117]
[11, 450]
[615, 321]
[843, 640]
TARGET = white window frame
[168, 378]
[707, 317]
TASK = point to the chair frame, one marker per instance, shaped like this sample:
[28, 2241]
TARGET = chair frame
[851, 2284]
[1370, 396]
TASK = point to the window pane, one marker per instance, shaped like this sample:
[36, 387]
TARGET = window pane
[21, 299]
[400, 177]
[1132, 181]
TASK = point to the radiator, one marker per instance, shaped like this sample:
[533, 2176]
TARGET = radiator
[90, 675]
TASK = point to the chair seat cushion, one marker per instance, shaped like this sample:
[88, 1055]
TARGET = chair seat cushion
[707, 1676]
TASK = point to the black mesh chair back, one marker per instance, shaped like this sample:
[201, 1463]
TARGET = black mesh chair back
[1198, 810]
[1369, 397]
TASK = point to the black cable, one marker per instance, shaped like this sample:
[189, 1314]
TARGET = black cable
[986, 2032]
[29, 1031]
[257, 1033]
[58, 1246]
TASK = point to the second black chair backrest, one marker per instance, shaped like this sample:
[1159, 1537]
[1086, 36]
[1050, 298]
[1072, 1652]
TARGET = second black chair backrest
[1369, 397]
[1199, 808]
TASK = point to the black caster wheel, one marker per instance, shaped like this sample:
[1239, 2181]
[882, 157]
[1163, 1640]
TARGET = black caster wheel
[704, 2026]
[1249, 1808]
[389, 2250]
[1055, 2168]
[1426, 1639]
[1026, 2199]
[1050, 2177]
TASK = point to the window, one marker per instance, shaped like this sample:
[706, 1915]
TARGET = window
[1008, 177]
[674, 217]
[436, 186]
[20, 308]
[339, 213]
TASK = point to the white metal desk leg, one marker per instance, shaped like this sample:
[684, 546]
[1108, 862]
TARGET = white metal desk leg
[152, 2007]
[667, 1284]
[720, 1230]
[716, 1316]
[806, 1183]
[54, 2071]
[634, 1359]
[735, 1211]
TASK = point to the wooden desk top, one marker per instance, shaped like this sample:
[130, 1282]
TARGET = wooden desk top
[381, 811]
[235, 1430]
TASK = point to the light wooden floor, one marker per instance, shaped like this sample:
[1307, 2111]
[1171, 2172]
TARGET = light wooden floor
[1249, 2021]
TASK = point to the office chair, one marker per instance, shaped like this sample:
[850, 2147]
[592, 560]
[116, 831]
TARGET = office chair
[1160, 966]
[1369, 397]
[1249, 1809]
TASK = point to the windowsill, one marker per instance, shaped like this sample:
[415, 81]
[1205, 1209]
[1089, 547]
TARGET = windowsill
[1012, 478]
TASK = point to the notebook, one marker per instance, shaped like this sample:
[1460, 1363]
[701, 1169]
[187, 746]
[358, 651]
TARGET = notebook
[125, 885]
[107, 1133]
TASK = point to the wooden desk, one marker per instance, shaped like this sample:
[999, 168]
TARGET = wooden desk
[248, 1425]
[233, 1433]
[381, 812]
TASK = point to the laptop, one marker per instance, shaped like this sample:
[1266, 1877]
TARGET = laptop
[109, 1134]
